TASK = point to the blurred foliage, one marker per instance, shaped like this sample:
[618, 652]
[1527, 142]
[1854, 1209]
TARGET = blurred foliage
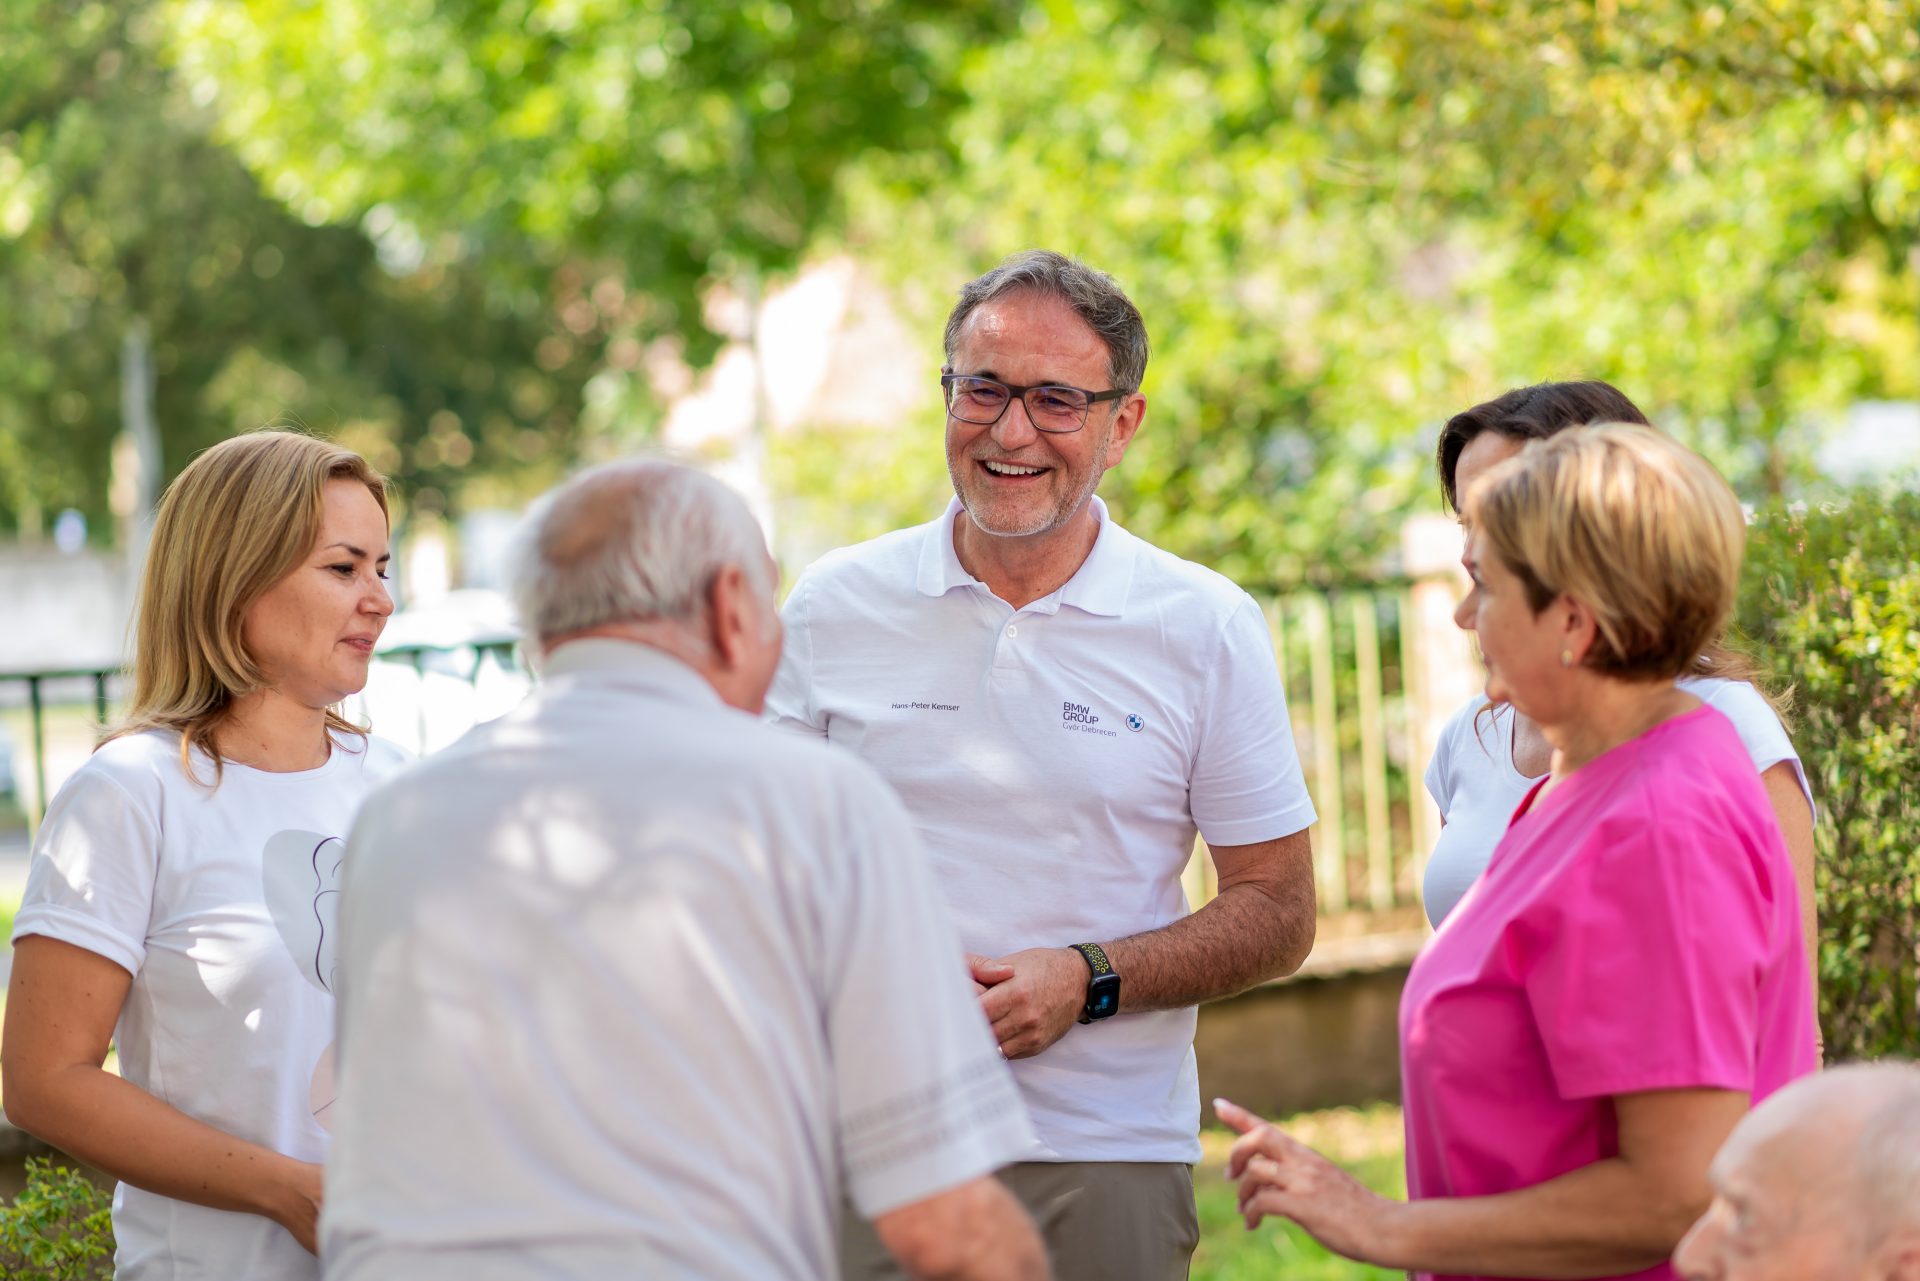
[691, 143]
[117, 207]
[1832, 596]
[1346, 220]
[500, 229]
[60, 1227]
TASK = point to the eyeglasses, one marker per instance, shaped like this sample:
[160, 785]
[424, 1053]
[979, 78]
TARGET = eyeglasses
[983, 401]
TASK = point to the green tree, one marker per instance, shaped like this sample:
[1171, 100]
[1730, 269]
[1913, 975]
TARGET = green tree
[1346, 220]
[117, 211]
[686, 142]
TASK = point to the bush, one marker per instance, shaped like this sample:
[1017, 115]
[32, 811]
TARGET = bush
[59, 1228]
[1831, 603]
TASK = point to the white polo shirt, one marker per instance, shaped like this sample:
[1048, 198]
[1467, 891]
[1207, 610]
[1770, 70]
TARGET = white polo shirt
[632, 985]
[1057, 761]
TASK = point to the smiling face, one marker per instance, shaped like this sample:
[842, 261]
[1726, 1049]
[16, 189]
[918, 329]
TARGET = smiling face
[312, 633]
[1015, 481]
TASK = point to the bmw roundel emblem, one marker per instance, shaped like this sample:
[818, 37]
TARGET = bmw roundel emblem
[1134, 723]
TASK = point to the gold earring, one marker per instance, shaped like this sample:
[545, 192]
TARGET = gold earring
[1566, 658]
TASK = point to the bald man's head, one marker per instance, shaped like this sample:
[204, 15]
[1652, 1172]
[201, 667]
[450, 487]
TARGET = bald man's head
[636, 541]
[1821, 1182]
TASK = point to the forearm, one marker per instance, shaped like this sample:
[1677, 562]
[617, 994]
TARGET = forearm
[1601, 1220]
[1006, 1251]
[1246, 935]
[975, 1232]
[120, 1129]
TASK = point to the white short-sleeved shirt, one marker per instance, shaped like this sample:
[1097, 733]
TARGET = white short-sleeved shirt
[1057, 760]
[634, 985]
[220, 903]
[1473, 780]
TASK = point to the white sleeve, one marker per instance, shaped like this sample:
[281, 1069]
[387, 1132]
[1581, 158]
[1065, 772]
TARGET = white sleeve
[790, 700]
[1439, 775]
[925, 1102]
[1760, 730]
[91, 879]
[1246, 784]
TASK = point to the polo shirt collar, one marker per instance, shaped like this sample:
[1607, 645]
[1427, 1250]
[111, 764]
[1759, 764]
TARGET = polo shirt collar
[1099, 586]
[630, 663]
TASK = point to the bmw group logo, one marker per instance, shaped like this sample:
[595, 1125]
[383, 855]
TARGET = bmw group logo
[1134, 723]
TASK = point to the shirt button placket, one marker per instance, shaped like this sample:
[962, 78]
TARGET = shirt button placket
[1007, 647]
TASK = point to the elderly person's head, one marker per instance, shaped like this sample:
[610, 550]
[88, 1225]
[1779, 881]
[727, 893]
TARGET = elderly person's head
[655, 552]
[1605, 554]
[1819, 1183]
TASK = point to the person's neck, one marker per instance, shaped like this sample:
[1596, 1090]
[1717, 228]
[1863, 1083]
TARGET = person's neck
[670, 638]
[269, 731]
[1610, 713]
[679, 641]
[1022, 570]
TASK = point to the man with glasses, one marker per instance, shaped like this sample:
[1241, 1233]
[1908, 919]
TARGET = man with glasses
[1062, 705]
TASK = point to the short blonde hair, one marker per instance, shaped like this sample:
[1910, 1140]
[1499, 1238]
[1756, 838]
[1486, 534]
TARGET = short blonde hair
[1632, 524]
[236, 521]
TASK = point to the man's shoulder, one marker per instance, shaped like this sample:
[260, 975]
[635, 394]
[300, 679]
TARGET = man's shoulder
[892, 560]
[743, 748]
[1163, 577]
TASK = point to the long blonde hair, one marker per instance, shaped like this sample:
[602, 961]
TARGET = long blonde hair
[236, 521]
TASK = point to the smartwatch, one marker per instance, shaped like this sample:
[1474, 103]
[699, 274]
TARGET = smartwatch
[1103, 988]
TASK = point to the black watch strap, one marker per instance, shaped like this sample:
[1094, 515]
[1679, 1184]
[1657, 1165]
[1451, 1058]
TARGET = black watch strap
[1103, 986]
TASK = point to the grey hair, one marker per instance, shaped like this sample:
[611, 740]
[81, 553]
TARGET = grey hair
[1889, 1148]
[632, 541]
[1094, 296]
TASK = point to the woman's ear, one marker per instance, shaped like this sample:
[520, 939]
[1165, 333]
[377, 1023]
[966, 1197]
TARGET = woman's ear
[1579, 629]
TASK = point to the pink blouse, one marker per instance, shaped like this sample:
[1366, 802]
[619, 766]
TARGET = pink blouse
[1637, 930]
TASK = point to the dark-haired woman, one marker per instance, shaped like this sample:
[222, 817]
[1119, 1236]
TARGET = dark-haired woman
[1488, 757]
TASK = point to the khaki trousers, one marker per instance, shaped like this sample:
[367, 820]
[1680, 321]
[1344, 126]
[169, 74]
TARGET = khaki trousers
[1102, 1221]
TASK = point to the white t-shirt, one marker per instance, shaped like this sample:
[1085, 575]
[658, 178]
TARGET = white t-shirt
[1057, 760]
[220, 903]
[1473, 780]
[633, 985]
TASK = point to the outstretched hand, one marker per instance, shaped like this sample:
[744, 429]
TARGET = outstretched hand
[1279, 1176]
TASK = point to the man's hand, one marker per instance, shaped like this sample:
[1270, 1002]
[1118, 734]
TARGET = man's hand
[1036, 1005]
[986, 973]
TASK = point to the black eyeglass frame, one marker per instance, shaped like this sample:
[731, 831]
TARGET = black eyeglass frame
[1093, 398]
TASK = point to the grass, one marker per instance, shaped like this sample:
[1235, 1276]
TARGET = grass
[1366, 1141]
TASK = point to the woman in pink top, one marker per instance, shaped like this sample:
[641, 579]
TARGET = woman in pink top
[1589, 1024]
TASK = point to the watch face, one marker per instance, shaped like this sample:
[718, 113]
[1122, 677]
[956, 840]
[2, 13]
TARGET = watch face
[1103, 997]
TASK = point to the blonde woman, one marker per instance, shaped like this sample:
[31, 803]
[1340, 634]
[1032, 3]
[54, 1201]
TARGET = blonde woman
[1628, 975]
[181, 896]
[1490, 756]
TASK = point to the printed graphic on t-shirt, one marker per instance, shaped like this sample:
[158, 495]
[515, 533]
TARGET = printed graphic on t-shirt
[301, 871]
